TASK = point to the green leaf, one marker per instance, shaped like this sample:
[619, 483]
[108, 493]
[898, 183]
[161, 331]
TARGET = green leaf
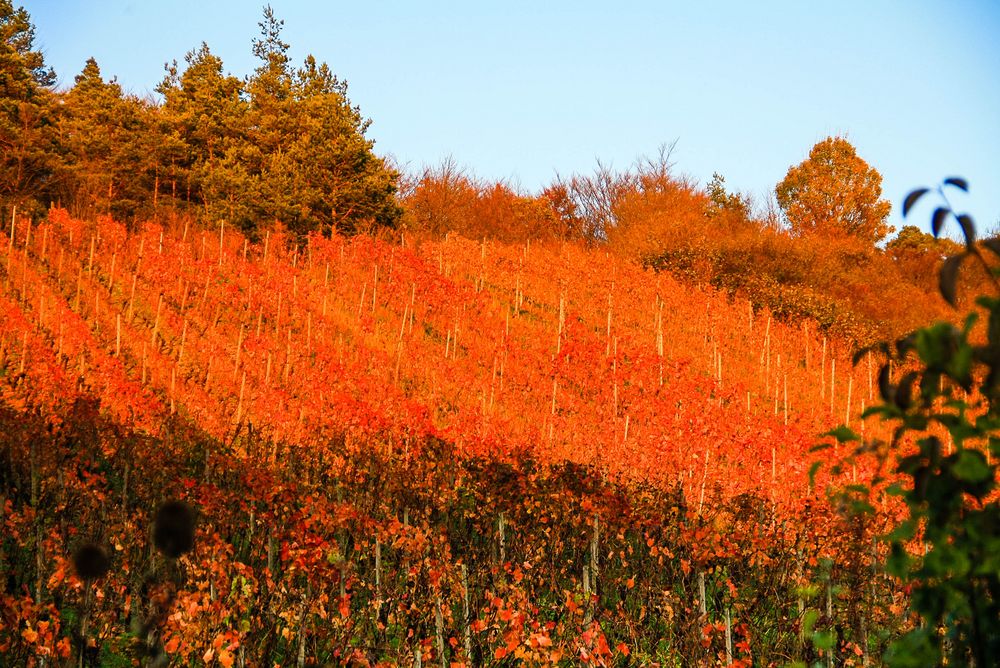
[987, 302]
[879, 409]
[946, 560]
[958, 182]
[994, 446]
[993, 243]
[971, 466]
[970, 322]
[824, 639]
[968, 230]
[843, 434]
[860, 507]
[899, 560]
[912, 198]
[809, 620]
[810, 590]
[895, 489]
[961, 364]
[906, 530]
[938, 219]
[948, 277]
[917, 649]
[812, 472]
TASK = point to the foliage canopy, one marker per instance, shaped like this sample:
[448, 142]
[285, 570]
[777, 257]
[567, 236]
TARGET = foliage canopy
[284, 145]
[834, 191]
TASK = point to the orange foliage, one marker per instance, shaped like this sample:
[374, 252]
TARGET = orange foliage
[446, 200]
[657, 214]
[553, 350]
[301, 361]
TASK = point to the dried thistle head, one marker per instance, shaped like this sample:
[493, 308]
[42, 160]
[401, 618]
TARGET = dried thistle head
[91, 561]
[173, 530]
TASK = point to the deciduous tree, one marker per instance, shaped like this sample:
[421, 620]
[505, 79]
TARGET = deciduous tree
[834, 191]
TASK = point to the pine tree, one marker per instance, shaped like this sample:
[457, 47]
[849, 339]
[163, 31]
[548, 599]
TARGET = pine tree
[203, 120]
[342, 183]
[307, 153]
[27, 127]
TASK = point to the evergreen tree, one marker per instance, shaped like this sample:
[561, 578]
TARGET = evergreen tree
[203, 120]
[341, 183]
[107, 149]
[285, 145]
[88, 135]
[725, 202]
[27, 130]
[306, 150]
[264, 153]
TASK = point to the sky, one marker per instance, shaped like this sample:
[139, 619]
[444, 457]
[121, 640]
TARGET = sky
[527, 91]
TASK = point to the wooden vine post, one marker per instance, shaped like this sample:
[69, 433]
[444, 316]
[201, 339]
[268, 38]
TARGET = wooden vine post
[729, 636]
[466, 617]
[502, 529]
[594, 555]
[439, 631]
[702, 605]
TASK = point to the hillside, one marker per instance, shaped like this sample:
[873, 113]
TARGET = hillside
[274, 394]
[378, 437]
[554, 351]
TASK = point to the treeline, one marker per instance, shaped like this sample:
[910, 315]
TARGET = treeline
[811, 253]
[284, 144]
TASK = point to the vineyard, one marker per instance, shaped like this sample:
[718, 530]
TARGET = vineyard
[417, 452]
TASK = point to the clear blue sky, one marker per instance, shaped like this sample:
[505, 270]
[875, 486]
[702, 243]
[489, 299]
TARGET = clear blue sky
[524, 90]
